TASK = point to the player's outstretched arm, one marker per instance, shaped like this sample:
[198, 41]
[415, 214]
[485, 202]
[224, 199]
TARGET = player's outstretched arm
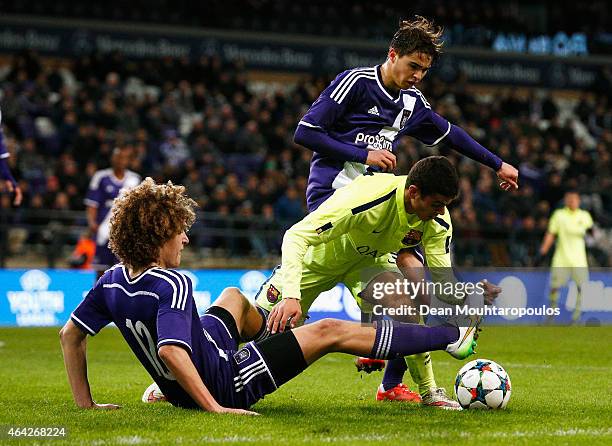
[74, 348]
[181, 366]
[468, 146]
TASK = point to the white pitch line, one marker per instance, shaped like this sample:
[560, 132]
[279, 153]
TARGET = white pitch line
[570, 432]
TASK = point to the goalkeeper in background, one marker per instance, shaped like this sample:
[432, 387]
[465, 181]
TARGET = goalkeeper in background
[568, 227]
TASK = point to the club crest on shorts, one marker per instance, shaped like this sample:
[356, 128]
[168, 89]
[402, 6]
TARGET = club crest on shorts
[242, 355]
[273, 294]
[413, 237]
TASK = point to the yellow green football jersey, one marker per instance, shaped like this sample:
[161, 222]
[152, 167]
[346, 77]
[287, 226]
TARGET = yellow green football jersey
[356, 228]
[570, 227]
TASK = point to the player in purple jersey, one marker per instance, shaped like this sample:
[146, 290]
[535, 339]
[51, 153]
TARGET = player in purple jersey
[355, 125]
[7, 181]
[357, 120]
[196, 361]
[104, 187]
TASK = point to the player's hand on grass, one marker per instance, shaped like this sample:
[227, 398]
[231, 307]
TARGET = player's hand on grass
[383, 159]
[288, 308]
[107, 406]
[508, 175]
[490, 291]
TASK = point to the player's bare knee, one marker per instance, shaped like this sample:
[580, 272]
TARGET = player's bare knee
[231, 295]
[232, 299]
[330, 330]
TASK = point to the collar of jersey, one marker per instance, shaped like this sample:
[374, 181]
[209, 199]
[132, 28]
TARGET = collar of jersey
[133, 280]
[382, 87]
[399, 200]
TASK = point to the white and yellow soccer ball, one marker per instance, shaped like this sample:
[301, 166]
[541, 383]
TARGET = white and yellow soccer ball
[482, 384]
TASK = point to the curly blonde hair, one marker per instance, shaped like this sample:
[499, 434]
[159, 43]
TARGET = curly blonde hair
[418, 36]
[146, 217]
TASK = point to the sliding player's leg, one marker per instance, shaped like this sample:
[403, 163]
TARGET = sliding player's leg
[384, 340]
[266, 365]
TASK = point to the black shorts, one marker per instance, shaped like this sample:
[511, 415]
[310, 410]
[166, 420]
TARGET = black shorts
[261, 367]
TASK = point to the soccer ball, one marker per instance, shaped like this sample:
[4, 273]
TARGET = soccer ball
[482, 384]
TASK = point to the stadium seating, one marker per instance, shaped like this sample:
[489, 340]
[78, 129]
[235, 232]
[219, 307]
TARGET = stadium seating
[201, 124]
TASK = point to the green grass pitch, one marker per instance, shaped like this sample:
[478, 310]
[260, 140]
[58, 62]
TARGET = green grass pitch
[561, 394]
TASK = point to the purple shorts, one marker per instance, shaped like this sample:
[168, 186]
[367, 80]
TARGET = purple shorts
[249, 372]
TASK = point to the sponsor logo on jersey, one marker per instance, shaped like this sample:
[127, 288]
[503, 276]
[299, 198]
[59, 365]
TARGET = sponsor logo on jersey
[366, 250]
[273, 294]
[376, 142]
[242, 355]
[413, 237]
[374, 111]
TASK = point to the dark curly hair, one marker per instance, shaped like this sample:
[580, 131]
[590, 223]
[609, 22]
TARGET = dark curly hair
[146, 217]
[434, 175]
[418, 36]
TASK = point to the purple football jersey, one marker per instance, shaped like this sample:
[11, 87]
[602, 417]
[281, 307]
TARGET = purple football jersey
[357, 109]
[157, 308]
[104, 187]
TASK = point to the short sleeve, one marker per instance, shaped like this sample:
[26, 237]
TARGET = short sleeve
[553, 224]
[175, 313]
[436, 242]
[92, 313]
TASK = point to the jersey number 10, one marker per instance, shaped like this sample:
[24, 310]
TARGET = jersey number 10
[141, 333]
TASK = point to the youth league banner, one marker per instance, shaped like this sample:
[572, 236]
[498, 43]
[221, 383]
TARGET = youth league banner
[47, 297]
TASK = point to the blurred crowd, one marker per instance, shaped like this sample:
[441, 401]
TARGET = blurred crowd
[468, 22]
[202, 124]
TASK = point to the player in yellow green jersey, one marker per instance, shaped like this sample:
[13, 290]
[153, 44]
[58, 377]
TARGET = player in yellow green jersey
[568, 227]
[352, 236]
